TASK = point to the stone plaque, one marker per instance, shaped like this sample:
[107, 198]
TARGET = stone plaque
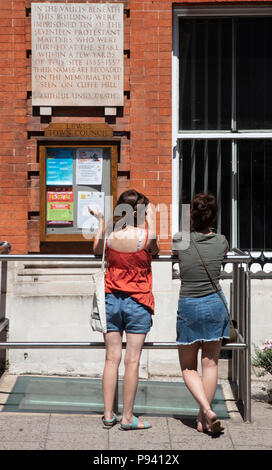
[78, 130]
[77, 54]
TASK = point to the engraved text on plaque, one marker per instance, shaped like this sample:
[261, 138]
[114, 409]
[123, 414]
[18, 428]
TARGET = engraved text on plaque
[77, 54]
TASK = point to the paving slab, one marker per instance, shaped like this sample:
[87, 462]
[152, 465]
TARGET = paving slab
[157, 437]
[75, 423]
[183, 435]
[18, 427]
[261, 414]
[251, 436]
[76, 441]
[22, 445]
[251, 447]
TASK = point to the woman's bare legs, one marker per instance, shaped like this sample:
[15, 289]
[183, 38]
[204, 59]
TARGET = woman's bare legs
[202, 389]
[209, 364]
[132, 359]
[188, 362]
[113, 342]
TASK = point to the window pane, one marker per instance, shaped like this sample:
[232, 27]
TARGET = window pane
[199, 166]
[225, 190]
[205, 74]
[206, 166]
[254, 73]
[185, 180]
[255, 192]
[244, 194]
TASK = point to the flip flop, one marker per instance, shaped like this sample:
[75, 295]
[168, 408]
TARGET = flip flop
[134, 425]
[107, 424]
[214, 427]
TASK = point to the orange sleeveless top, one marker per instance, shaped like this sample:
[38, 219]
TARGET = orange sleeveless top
[130, 272]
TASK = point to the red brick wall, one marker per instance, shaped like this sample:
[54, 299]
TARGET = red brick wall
[150, 114]
[13, 163]
[146, 156]
[34, 125]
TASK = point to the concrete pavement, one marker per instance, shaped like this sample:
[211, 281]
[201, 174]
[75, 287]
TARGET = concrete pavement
[53, 431]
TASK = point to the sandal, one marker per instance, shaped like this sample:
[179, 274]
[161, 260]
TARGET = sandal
[213, 425]
[134, 425]
[107, 424]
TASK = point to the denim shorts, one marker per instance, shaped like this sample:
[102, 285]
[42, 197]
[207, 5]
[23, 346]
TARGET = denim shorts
[202, 319]
[123, 313]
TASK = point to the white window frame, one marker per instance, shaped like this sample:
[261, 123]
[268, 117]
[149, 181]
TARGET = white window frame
[177, 134]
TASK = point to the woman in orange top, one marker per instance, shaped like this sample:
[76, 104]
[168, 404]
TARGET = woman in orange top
[129, 298]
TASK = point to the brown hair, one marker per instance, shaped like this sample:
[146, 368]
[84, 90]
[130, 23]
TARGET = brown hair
[133, 198]
[203, 211]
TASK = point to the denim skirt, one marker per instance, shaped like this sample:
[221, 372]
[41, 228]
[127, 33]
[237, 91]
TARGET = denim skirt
[202, 319]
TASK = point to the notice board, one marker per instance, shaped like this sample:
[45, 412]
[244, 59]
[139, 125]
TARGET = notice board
[72, 177]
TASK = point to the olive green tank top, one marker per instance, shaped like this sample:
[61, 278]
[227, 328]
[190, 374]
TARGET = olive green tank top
[194, 279]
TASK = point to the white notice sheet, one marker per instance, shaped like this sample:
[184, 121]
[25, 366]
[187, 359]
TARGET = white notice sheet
[85, 220]
[89, 164]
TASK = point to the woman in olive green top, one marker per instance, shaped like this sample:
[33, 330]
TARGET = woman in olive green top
[202, 318]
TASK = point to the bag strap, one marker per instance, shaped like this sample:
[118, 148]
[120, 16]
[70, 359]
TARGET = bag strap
[103, 255]
[210, 277]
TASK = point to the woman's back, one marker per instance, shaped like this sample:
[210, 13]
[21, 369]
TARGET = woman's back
[129, 265]
[194, 279]
[129, 239]
[126, 249]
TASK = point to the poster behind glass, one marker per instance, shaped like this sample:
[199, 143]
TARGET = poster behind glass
[75, 178]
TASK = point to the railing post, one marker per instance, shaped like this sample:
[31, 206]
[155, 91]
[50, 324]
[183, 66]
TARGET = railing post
[247, 410]
[240, 323]
[4, 271]
[234, 317]
[242, 311]
[4, 249]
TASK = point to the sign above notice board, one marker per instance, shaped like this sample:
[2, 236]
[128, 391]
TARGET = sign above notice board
[78, 130]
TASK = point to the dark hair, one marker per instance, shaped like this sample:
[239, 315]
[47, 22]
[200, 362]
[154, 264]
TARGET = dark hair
[203, 211]
[133, 198]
